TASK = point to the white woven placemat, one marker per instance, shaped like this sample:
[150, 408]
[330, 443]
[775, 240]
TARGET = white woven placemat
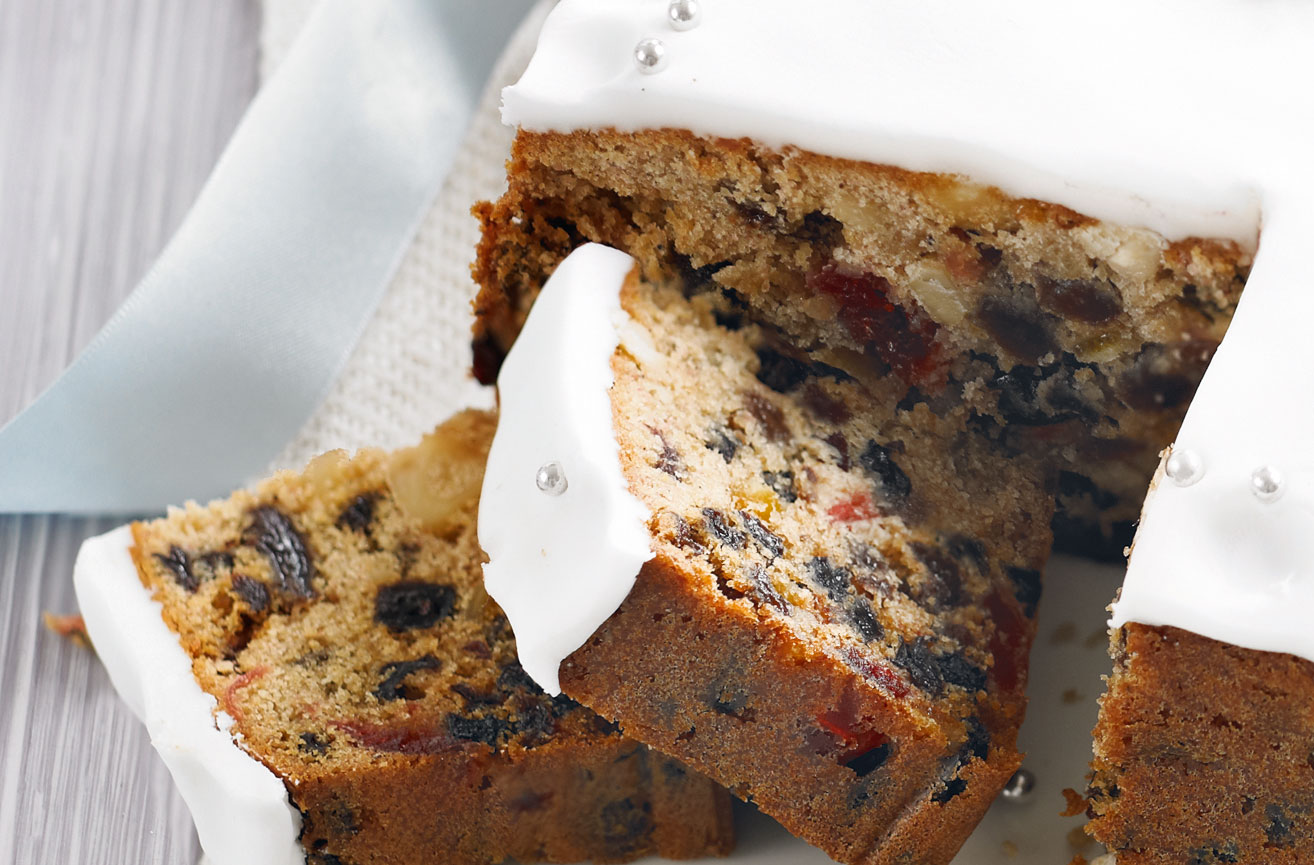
[410, 369]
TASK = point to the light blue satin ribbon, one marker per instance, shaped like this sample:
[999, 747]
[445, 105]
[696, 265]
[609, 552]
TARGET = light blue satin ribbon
[230, 342]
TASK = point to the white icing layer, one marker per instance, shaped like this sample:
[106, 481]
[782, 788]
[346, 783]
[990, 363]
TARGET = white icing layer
[1189, 117]
[240, 808]
[559, 565]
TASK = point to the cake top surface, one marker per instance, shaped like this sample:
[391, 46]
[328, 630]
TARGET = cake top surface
[1188, 117]
[1172, 115]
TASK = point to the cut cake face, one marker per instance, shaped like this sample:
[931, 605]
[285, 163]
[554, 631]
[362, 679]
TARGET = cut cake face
[337, 619]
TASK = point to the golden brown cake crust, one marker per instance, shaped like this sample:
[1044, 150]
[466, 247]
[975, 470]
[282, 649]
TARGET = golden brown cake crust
[1204, 753]
[338, 616]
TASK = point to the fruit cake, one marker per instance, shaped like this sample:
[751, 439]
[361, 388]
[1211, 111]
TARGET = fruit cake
[835, 616]
[337, 618]
[939, 213]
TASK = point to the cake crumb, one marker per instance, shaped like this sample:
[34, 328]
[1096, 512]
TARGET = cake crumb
[1009, 848]
[1064, 633]
[71, 628]
[1072, 695]
[1076, 803]
[1078, 860]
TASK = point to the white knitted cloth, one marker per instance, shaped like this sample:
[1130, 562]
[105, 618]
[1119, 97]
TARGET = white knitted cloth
[410, 369]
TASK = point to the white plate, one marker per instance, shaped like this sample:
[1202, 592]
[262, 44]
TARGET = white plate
[1070, 656]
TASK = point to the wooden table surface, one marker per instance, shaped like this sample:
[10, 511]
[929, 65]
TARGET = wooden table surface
[112, 114]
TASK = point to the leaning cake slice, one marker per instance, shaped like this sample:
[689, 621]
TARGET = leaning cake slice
[760, 564]
[326, 679]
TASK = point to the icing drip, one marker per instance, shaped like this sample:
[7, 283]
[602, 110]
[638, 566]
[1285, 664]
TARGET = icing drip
[565, 538]
[1188, 117]
[240, 808]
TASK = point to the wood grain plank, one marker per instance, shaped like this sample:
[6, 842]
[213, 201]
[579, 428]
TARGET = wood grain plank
[111, 116]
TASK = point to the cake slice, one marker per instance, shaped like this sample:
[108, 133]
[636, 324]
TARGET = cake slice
[349, 693]
[829, 604]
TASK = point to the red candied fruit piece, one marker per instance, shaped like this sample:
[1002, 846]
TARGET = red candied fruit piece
[230, 693]
[882, 674]
[403, 738]
[905, 342]
[1008, 643]
[854, 509]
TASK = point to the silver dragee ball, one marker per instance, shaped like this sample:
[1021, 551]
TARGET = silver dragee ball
[1266, 484]
[551, 479]
[1184, 467]
[650, 54]
[1019, 787]
[684, 14]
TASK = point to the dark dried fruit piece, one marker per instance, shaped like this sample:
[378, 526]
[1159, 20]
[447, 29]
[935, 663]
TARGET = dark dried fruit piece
[867, 762]
[841, 446]
[722, 441]
[919, 662]
[513, 676]
[208, 566]
[824, 406]
[272, 533]
[472, 696]
[668, 458]
[626, 827]
[1088, 300]
[311, 743]
[410, 604]
[489, 731]
[1026, 588]
[834, 579]
[393, 686]
[864, 619]
[893, 483]
[179, 563]
[683, 537]
[782, 484]
[771, 543]
[1019, 329]
[359, 514]
[957, 670]
[1278, 829]
[718, 527]
[1165, 377]
[968, 550]
[780, 372]
[943, 583]
[764, 591]
[769, 415]
[252, 591]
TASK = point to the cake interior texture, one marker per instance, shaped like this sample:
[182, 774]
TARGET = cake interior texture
[860, 403]
[338, 616]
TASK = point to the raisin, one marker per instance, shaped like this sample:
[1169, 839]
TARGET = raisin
[358, 515]
[341, 819]
[921, 665]
[486, 730]
[684, 538]
[410, 604]
[841, 446]
[864, 619]
[780, 372]
[752, 213]
[715, 523]
[894, 484]
[1165, 377]
[869, 761]
[1026, 588]
[513, 677]
[729, 700]
[957, 670]
[769, 415]
[535, 721]
[487, 359]
[272, 533]
[824, 406]
[782, 484]
[393, 686]
[834, 579]
[910, 399]
[968, 550]
[771, 543]
[668, 460]
[179, 563]
[723, 442]
[1089, 300]
[952, 787]
[626, 828]
[1279, 826]
[1017, 328]
[311, 743]
[252, 591]
[472, 696]
[765, 592]
[943, 584]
